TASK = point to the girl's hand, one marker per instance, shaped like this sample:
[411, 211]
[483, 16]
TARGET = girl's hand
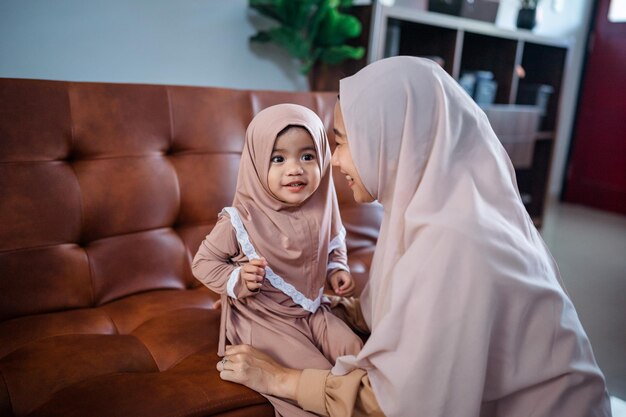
[253, 273]
[246, 365]
[342, 283]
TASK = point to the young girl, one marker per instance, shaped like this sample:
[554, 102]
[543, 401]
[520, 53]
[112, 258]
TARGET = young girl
[271, 252]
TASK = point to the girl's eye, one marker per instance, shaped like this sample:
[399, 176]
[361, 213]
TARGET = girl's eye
[277, 159]
[308, 157]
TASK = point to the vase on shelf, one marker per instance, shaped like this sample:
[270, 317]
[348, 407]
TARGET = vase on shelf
[526, 18]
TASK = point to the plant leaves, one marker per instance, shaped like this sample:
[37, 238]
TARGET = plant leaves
[310, 30]
[337, 54]
[337, 28]
[261, 37]
[266, 8]
[291, 40]
[324, 7]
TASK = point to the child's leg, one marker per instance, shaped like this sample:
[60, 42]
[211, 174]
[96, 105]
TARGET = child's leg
[288, 340]
[333, 336]
[348, 309]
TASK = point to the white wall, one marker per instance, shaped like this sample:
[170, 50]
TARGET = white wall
[558, 18]
[192, 42]
[205, 42]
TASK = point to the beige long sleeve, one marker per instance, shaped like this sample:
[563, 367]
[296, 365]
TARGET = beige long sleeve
[331, 395]
[217, 257]
[338, 257]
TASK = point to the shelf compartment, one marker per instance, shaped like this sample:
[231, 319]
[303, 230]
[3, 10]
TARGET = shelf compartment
[544, 65]
[488, 53]
[416, 39]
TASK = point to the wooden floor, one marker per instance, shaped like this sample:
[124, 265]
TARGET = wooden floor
[590, 249]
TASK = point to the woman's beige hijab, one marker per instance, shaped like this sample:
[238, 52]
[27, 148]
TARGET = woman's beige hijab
[467, 314]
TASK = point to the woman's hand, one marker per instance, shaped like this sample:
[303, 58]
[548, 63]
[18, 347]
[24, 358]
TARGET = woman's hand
[342, 283]
[253, 273]
[248, 366]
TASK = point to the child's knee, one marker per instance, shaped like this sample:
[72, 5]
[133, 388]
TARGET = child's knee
[354, 345]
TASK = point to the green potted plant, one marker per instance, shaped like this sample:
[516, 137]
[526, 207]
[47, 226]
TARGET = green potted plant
[312, 31]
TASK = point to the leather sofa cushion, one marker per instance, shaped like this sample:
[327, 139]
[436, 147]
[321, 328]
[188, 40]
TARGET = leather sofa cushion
[107, 191]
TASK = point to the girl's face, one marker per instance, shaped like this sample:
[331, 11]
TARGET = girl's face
[342, 159]
[294, 173]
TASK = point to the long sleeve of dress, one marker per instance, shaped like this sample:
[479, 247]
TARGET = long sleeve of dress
[213, 264]
[338, 256]
[331, 395]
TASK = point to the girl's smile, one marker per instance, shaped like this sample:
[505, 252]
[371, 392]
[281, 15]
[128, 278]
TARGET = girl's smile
[296, 186]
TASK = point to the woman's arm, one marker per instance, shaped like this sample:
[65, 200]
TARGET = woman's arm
[314, 390]
[248, 366]
[337, 395]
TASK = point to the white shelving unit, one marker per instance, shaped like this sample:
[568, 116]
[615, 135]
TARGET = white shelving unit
[519, 59]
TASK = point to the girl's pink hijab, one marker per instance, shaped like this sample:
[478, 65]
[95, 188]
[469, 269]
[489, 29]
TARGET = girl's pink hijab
[293, 238]
[467, 314]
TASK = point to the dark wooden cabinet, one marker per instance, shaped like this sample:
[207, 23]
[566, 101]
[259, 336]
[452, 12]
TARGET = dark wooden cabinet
[523, 65]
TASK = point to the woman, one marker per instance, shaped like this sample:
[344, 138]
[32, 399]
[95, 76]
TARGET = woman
[464, 303]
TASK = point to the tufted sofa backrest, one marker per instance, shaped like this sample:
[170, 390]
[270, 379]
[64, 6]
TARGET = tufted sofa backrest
[106, 190]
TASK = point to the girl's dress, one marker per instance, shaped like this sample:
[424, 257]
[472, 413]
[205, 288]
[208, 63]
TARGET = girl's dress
[286, 318]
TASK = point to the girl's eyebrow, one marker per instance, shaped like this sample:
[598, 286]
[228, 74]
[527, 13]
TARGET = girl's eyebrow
[307, 148]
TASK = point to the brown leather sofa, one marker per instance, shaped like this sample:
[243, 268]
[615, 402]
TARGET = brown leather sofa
[106, 191]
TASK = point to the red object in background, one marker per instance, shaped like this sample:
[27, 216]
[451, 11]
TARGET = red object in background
[596, 175]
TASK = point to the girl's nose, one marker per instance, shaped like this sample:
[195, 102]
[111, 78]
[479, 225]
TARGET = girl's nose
[295, 169]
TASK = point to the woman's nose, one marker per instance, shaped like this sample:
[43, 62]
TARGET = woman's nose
[335, 159]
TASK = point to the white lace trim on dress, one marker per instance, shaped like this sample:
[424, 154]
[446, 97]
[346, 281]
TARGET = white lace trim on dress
[273, 278]
[338, 241]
